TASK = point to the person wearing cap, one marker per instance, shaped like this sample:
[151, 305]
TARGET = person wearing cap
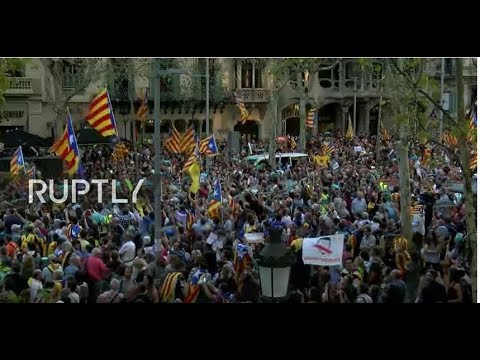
[16, 233]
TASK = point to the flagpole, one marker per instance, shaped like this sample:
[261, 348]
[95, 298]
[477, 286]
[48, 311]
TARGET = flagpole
[207, 104]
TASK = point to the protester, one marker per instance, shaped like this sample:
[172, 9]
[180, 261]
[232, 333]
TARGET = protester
[107, 253]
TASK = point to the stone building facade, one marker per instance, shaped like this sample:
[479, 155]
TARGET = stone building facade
[336, 93]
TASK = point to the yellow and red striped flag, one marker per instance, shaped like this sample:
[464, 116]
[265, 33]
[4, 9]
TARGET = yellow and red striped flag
[310, 118]
[450, 139]
[327, 150]
[349, 133]
[100, 115]
[473, 162]
[188, 141]
[17, 163]
[120, 152]
[143, 109]
[173, 142]
[66, 148]
[244, 114]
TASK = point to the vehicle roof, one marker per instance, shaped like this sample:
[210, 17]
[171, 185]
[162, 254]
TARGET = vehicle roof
[265, 156]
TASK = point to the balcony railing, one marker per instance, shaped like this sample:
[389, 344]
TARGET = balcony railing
[253, 95]
[19, 86]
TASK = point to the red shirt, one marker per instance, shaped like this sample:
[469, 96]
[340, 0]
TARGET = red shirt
[96, 269]
[11, 246]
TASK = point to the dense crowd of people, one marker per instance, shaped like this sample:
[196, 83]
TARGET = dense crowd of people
[86, 252]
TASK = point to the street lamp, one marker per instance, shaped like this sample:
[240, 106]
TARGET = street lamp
[274, 264]
[157, 73]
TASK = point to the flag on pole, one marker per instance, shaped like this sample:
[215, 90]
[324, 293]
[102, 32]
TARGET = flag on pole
[216, 199]
[208, 146]
[310, 118]
[143, 109]
[194, 172]
[66, 147]
[188, 141]
[244, 114]
[17, 163]
[173, 142]
[349, 134]
[100, 115]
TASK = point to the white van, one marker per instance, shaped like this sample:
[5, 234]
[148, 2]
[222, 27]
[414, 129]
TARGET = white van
[285, 158]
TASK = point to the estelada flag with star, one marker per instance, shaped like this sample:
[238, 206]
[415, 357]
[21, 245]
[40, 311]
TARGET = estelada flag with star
[216, 200]
[208, 146]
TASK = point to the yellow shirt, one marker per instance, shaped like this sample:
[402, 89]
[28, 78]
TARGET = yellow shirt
[297, 244]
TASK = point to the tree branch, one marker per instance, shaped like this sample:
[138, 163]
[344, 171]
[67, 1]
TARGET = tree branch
[86, 80]
[421, 91]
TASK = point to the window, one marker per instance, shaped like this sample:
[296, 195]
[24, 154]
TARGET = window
[120, 78]
[72, 73]
[258, 76]
[247, 75]
[449, 68]
[15, 73]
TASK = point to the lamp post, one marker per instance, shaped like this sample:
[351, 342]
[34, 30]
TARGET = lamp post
[274, 264]
[157, 73]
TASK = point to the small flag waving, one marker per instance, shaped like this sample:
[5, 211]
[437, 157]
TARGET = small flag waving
[143, 109]
[188, 141]
[208, 146]
[17, 163]
[66, 148]
[349, 134]
[173, 142]
[244, 114]
[311, 118]
[100, 115]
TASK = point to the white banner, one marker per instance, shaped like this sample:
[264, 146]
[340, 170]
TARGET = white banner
[255, 237]
[323, 251]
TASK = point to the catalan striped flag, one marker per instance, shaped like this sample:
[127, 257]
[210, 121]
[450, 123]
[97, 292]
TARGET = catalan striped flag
[450, 139]
[416, 209]
[143, 109]
[100, 115]
[473, 162]
[349, 133]
[472, 126]
[190, 161]
[327, 150]
[310, 118]
[32, 172]
[244, 114]
[190, 219]
[188, 141]
[66, 148]
[231, 202]
[17, 163]
[216, 200]
[208, 146]
[173, 142]
[120, 152]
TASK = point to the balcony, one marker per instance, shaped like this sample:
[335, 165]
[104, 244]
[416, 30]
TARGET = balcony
[20, 86]
[253, 95]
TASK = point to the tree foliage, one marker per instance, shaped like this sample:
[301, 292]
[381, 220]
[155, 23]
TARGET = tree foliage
[7, 67]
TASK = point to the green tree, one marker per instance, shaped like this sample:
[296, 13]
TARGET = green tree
[410, 97]
[7, 66]
[300, 75]
[65, 78]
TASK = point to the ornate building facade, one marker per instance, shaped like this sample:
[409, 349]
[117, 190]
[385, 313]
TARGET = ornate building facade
[336, 93]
